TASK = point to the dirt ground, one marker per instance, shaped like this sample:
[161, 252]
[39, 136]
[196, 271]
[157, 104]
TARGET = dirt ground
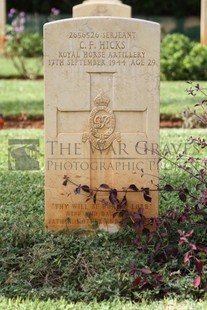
[39, 123]
[28, 123]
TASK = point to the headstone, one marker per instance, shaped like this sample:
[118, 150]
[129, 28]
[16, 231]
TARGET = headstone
[102, 8]
[203, 27]
[101, 116]
[2, 22]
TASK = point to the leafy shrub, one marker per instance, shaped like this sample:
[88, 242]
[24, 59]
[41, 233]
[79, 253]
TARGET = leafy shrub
[186, 257]
[174, 48]
[23, 44]
[19, 45]
[32, 45]
[196, 62]
[183, 59]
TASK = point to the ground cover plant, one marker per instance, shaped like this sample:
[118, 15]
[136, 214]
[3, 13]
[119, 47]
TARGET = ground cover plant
[188, 222]
[42, 265]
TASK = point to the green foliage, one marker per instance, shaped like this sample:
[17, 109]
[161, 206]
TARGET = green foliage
[19, 47]
[174, 48]
[32, 45]
[23, 44]
[182, 59]
[196, 62]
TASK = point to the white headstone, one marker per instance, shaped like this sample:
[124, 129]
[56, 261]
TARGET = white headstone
[203, 27]
[101, 115]
[102, 8]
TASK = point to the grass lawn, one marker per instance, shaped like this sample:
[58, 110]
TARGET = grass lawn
[167, 304]
[8, 70]
[174, 98]
[23, 96]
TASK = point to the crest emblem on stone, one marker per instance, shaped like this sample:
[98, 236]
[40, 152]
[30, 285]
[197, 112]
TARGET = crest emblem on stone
[102, 124]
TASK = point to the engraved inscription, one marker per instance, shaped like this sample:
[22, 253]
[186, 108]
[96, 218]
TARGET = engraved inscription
[102, 35]
[102, 49]
[101, 125]
[81, 213]
[120, 165]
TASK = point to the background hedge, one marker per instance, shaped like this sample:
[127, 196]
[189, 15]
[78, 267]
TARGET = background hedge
[182, 59]
[175, 8]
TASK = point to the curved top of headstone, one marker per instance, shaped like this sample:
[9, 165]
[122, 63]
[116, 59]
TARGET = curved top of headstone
[102, 8]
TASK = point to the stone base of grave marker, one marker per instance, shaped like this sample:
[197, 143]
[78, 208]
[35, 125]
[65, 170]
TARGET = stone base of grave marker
[101, 116]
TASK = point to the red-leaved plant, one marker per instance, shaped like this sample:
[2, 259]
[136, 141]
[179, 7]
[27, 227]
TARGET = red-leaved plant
[169, 241]
[193, 254]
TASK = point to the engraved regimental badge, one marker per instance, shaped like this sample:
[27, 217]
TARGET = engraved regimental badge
[102, 124]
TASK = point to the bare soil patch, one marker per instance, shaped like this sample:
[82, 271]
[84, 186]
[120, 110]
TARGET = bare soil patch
[23, 122]
[26, 122]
